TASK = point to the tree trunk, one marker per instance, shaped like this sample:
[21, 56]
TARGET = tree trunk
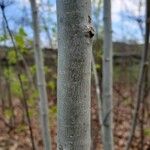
[98, 92]
[107, 124]
[142, 83]
[74, 74]
[40, 78]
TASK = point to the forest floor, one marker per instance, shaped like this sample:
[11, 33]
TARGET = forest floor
[16, 135]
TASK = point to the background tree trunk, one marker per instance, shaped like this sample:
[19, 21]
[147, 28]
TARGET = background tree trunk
[98, 92]
[107, 77]
[40, 78]
[142, 83]
[74, 74]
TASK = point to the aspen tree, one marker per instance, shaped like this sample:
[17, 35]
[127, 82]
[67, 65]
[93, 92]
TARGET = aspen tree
[40, 78]
[107, 80]
[75, 34]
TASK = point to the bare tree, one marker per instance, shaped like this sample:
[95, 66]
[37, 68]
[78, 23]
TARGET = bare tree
[98, 92]
[75, 34]
[142, 85]
[40, 78]
[107, 75]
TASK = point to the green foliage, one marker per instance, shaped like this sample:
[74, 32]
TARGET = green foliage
[51, 79]
[21, 128]
[3, 38]
[147, 132]
[15, 88]
[52, 86]
[8, 72]
[22, 32]
[46, 69]
[12, 57]
[53, 109]
[33, 97]
[32, 112]
[24, 78]
[32, 103]
[8, 113]
[20, 39]
[33, 69]
[127, 102]
[53, 112]
[98, 66]
[97, 52]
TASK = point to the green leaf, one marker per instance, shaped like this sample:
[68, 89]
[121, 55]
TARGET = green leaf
[20, 41]
[15, 88]
[52, 85]
[22, 32]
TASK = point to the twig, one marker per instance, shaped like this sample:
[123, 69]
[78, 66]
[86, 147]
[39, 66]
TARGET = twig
[19, 76]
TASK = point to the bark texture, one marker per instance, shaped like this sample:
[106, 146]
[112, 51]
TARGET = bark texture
[98, 92]
[40, 78]
[74, 74]
[107, 77]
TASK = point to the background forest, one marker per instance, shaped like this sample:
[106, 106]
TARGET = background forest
[28, 87]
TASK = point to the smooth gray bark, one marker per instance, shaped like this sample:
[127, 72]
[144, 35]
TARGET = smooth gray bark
[98, 92]
[40, 78]
[74, 74]
[107, 81]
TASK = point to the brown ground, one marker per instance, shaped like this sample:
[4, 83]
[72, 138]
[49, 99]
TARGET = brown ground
[18, 138]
